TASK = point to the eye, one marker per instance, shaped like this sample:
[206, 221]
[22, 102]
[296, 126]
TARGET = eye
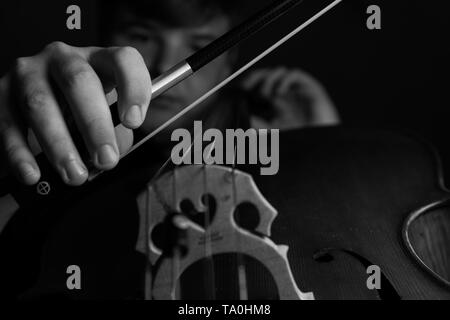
[197, 45]
[138, 34]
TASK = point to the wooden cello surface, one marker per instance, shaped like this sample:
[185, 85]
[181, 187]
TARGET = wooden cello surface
[346, 199]
[353, 193]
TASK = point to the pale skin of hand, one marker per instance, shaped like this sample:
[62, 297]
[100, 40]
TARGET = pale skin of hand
[298, 98]
[63, 79]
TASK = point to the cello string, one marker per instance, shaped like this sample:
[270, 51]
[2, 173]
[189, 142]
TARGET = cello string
[166, 208]
[176, 250]
[241, 269]
[210, 279]
[207, 221]
[148, 281]
[176, 266]
[232, 76]
[148, 267]
[177, 253]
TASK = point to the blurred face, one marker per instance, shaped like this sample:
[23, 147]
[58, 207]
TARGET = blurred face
[163, 46]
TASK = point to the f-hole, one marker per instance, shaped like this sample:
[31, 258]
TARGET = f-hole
[387, 290]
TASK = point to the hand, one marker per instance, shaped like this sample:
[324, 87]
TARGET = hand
[62, 86]
[297, 99]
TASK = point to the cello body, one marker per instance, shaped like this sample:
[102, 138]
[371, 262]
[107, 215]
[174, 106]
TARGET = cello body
[347, 200]
[349, 203]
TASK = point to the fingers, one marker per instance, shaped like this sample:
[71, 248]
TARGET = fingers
[45, 118]
[18, 155]
[81, 76]
[13, 141]
[291, 80]
[298, 97]
[281, 81]
[300, 81]
[133, 81]
[84, 93]
[254, 79]
[272, 82]
[266, 81]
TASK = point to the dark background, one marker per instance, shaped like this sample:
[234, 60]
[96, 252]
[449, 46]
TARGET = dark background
[396, 77]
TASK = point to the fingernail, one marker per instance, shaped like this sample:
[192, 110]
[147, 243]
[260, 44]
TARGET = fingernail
[27, 171]
[106, 155]
[73, 171]
[134, 115]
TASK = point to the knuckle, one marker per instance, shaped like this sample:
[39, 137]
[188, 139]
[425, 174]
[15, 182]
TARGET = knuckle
[26, 72]
[56, 46]
[123, 54]
[35, 100]
[22, 65]
[280, 70]
[75, 72]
